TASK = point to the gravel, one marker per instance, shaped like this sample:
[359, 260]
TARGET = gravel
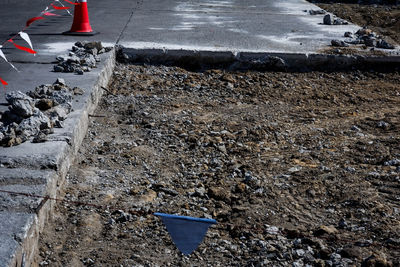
[276, 158]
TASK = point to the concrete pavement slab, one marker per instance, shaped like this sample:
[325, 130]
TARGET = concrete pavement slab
[271, 26]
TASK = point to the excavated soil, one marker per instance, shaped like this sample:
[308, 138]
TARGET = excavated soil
[299, 169]
[384, 19]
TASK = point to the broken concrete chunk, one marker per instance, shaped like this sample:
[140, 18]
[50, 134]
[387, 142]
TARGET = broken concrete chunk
[383, 44]
[21, 104]
[91, 45]
[60, 81]
[62, 97]
[339, 21]
[348, 34]
[32, 125]
[316, 12]
[339, 43]
[370, 41]
[44, 104]
[328, 19]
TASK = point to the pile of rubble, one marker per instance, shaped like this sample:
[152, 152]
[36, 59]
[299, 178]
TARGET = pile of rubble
[35, 114]
[364, 37]
[82, 58]
[332, 20]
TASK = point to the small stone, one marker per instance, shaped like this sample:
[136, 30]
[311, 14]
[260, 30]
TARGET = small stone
[79, 44]
[323, 229]
[122, 216]
[88, 60]
[350, 169]
[339, 21]
[57, 113]
[364, 31]
[351, 252]
[272, 230]
[376, 260]
[62, 97]
[21, 104]
[44, 104]
[199, 192]
[11, 141]
[316, 12]
[32, 125]
[339, 43]
[383, 125]
[300, 252]
[384, 45]
[169, 191]
[60, 81]
[78, 91]
[58, 68]
[392, 162]
[363, 243]
[335, 258]
[370, 42]
[219, 193]
[91, 45]
[328, 19]
[342, 223]
[39, 138]
[319, 263]
[348, 34]
[62, 58]
[73, 59]
[92, 51]
[298, 263]
[240, 187]
[295, 169]
[79, 71]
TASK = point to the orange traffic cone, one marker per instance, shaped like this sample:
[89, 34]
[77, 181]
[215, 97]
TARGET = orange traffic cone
[81, 25]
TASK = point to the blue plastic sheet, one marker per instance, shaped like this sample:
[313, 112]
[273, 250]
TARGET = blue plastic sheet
[186, 232]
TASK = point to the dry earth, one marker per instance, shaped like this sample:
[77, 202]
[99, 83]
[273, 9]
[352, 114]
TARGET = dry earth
[299, 169]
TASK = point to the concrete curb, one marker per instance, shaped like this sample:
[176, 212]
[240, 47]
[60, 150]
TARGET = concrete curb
[42, 172]
[192, 59]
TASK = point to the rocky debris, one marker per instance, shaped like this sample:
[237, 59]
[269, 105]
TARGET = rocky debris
[82, 58]
[276, 158]
[316, 12]
[35, 114]
[330, 19]
[365, 37]
[339, 43]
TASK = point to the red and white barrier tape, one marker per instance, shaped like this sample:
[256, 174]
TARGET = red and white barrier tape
[25, 36]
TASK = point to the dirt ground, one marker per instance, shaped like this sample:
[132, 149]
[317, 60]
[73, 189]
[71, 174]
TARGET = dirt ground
[384, 19]
[299, 169]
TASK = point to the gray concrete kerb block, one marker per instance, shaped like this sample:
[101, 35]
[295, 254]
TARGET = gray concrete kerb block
[14, 229]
